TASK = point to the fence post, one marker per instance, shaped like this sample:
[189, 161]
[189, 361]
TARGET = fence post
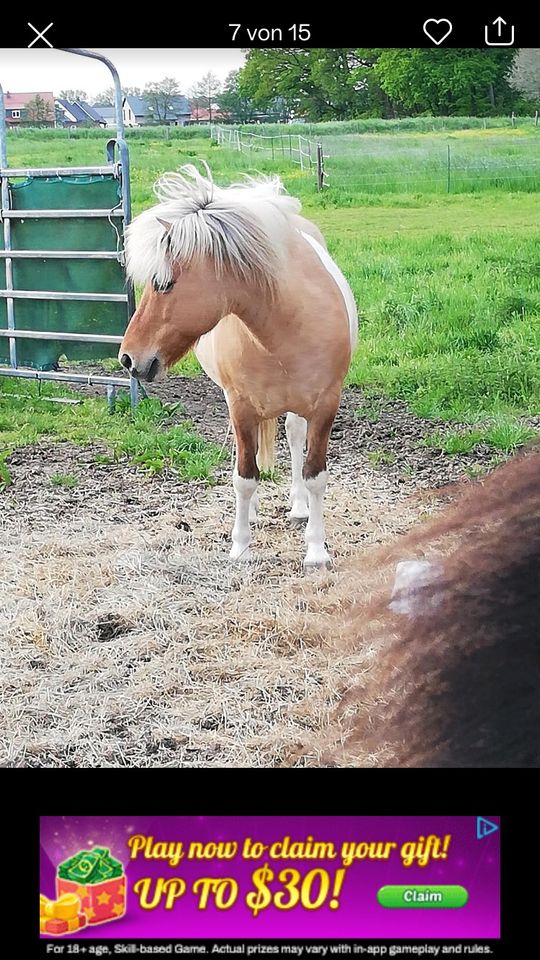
[513, 119]
[300, 153]
[536, 119]
[290, 148]
[272, 148]
[320, 167]
[448, 169]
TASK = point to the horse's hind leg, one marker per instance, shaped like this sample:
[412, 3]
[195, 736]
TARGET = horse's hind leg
[245, 480]
[316, 476]
[296, 430]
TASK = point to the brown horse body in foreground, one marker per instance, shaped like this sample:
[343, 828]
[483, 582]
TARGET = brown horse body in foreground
[237, 275]
[456, 681]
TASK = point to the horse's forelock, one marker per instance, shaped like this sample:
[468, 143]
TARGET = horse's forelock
[243, 228]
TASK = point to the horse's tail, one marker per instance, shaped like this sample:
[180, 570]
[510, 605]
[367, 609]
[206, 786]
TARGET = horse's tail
[266, 454]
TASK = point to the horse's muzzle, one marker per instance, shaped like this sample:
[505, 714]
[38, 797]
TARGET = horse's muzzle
[148, 372]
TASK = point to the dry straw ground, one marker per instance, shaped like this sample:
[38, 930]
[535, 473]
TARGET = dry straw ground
[128, 638]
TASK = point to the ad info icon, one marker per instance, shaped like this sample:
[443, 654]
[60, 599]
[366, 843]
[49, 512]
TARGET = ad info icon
[485, 827]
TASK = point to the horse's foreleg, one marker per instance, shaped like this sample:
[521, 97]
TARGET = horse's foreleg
[296, 430]
[315, 476]
[254, 507]
[245, 479]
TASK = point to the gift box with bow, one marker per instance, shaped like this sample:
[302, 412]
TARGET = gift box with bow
[61, 916]
[98, 880]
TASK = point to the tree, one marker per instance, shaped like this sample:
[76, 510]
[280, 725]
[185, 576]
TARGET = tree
[466, 82]
[59, 115]
[157, 97]
[72, 95]
[196, 100]
[525, 75]
[106, 98]
[38, 111]
[233, 105]
[206, 90]
[270, 73]
[317, 84]
[340, 84]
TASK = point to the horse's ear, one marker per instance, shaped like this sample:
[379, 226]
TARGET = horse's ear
[165, 224]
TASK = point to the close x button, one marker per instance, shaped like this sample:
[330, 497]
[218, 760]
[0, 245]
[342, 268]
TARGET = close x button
[426, 897]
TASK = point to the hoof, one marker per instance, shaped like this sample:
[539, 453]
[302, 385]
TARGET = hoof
[318, 561]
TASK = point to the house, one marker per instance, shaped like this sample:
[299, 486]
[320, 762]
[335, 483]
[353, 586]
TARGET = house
[137, 112]
[107, 114]
[40, 112]
[78, 113]
[202, 115]
[93, 114]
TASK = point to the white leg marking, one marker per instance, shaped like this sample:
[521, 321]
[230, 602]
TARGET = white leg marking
[241, 534]
[317, 554]
[296, 429]
[254, 507]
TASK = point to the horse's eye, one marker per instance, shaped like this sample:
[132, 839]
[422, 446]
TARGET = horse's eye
[162, 288]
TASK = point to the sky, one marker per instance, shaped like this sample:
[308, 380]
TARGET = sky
[24, 70]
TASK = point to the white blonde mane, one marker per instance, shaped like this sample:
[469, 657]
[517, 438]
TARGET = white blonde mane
[242, 228]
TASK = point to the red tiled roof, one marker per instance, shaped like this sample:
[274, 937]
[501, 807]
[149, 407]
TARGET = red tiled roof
[204, 114]
[17, 101]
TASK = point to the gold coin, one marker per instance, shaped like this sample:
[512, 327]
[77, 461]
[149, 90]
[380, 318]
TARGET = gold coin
[43, 904]
[67, 906]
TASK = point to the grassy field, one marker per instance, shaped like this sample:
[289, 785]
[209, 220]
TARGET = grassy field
[447, 286]
[440, 161]
[462, 161]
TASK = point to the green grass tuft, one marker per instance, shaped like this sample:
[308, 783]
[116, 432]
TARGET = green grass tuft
[64, 480]
[5, 476]
[504, 435]
[378, 457]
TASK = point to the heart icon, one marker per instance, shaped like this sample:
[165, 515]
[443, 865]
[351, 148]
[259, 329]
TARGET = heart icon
[433, 29]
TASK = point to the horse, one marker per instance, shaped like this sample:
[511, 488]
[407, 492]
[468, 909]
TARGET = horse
[453, 677]
[236, 274]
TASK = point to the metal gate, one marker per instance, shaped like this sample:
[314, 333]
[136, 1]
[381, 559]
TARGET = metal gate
[62, 259]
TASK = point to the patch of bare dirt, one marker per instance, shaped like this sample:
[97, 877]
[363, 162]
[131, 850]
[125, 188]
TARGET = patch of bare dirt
[375, 431]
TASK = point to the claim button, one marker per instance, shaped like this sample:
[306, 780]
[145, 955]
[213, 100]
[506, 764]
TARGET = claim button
[427, 897]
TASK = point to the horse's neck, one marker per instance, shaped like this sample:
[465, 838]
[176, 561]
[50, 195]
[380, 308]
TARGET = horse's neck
[258, 310]
[258, 315]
